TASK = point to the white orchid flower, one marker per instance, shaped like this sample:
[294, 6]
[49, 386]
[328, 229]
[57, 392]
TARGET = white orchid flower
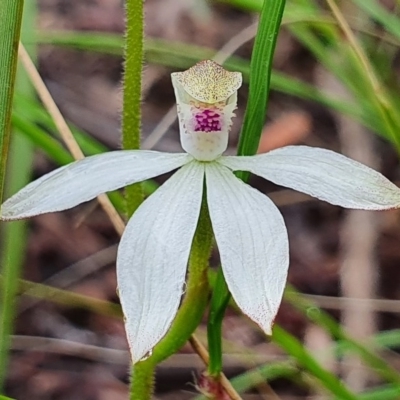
[249, 229]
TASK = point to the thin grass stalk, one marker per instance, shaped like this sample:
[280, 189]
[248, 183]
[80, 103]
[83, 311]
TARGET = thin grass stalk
[380, 97]
[65, 298]
[65, 131]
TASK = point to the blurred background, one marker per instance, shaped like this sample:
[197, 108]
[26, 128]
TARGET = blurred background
[69, 341]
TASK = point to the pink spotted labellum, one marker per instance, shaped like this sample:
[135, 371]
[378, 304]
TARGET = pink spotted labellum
[249, 229]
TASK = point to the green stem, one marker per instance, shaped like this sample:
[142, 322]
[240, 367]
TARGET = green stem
[190, 313]
[219, 302]
[142, 383]
[260, 78]
[131, 114]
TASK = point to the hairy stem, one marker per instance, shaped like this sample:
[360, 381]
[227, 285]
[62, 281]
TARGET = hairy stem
[131, 114]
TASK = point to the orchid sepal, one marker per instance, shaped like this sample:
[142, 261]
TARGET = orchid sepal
[83, 180]
[323, 174]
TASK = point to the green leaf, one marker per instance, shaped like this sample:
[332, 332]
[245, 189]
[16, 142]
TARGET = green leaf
[293, 347]
[388, 19]
[324, 320]
[382, 393]
[10, 26]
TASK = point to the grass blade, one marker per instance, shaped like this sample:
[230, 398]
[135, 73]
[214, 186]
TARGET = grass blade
[293, 347]
[10, 27]
[324, 320]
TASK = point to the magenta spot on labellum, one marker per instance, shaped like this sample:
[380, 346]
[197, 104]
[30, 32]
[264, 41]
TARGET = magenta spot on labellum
[207, 121]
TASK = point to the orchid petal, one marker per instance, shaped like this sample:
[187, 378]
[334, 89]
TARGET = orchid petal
[253, 244]
[83, 180]
[153, 256]
[323, 174]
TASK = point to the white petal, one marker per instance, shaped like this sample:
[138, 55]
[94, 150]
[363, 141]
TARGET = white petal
[153, 255]
[83, 180]
[253, 244]
[324, 174]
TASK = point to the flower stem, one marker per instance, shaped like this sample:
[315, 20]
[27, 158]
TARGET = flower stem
[142, 383]
[131, 114]
[189, 314]
[260, 77]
